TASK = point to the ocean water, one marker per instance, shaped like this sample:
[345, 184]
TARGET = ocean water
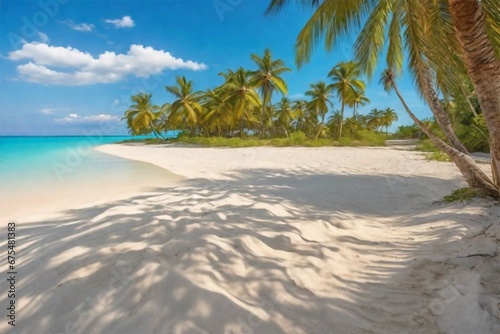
[46, 174]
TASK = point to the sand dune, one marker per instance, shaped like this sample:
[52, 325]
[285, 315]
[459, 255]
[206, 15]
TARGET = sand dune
[268, 240]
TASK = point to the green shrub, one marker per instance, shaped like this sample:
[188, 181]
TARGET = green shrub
[437, 156]
[370, 138]
[295, 139]
[426, 145]
[344, 141]
[433, 153]
[298, 138]
[461, 195]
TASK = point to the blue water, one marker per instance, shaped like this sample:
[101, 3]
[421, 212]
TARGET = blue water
[46, 170]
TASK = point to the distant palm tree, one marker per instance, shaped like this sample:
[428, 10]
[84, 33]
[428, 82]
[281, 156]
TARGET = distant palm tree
[268, 77]
[389, 116]
[299, 108]
[356, 123]
[375, 119]
[186, 107]
[241, 96]
[216, 113]
[320, 94]
[346, 82]
[333, 122]
[284, 114]
[141, 115]
[357, 99]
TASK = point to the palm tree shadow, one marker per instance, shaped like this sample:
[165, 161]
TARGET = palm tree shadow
[251, 253]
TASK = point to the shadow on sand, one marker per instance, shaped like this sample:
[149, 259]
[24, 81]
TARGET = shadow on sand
[253, 254]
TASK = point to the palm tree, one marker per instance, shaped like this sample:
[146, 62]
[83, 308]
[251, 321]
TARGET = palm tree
[242, 96]
[477, 26]
[216, 112]
[473, 175]
[267, 78]
[354, 124]
[284, 114]
[333, 122]
[320, 94]
[141, 115]
[375, 119]
[442, 37]
[357, 99]
[163, 121]
[389, 116]
[346, 82]
[299, 108]
[186, 106]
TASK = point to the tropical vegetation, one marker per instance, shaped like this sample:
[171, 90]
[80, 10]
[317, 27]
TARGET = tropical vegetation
[253, 104]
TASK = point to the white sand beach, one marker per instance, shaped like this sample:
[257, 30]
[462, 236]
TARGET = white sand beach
[267, 240]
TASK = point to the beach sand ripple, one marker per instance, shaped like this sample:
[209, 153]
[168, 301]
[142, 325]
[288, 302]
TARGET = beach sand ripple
[268, 240]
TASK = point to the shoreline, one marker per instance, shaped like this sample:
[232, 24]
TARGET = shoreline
[265, 239]
[83, 186]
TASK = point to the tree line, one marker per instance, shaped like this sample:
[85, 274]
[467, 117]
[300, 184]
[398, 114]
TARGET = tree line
[242, 106]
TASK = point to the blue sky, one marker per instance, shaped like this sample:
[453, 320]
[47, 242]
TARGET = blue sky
[69, 67]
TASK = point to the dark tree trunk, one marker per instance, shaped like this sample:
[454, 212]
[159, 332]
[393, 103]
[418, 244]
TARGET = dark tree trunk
[483, 68]
[473, 175]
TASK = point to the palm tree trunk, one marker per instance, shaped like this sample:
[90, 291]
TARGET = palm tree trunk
[473, 175]
[341, 118]
[316, 136]
[440, 114]
[263, 114]
[154, 131]
[483, 68]
[286, 132]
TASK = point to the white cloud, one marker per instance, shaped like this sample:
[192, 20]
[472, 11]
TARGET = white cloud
[75, 118]
[43, 37]
[296, 96]
[85, 27]
[43, 54]
[50, 111]
[81, 68]
[124, 22]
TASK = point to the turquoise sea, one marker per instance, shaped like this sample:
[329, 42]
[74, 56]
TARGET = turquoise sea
[45, 174]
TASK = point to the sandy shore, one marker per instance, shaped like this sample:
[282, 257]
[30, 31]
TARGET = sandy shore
[268, 240]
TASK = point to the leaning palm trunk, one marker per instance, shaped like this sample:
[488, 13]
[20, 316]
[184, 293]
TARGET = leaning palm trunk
[442, 118]
[286, 132]
[320, 127]
[483, 68]
[156, 133]
[473, 175]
